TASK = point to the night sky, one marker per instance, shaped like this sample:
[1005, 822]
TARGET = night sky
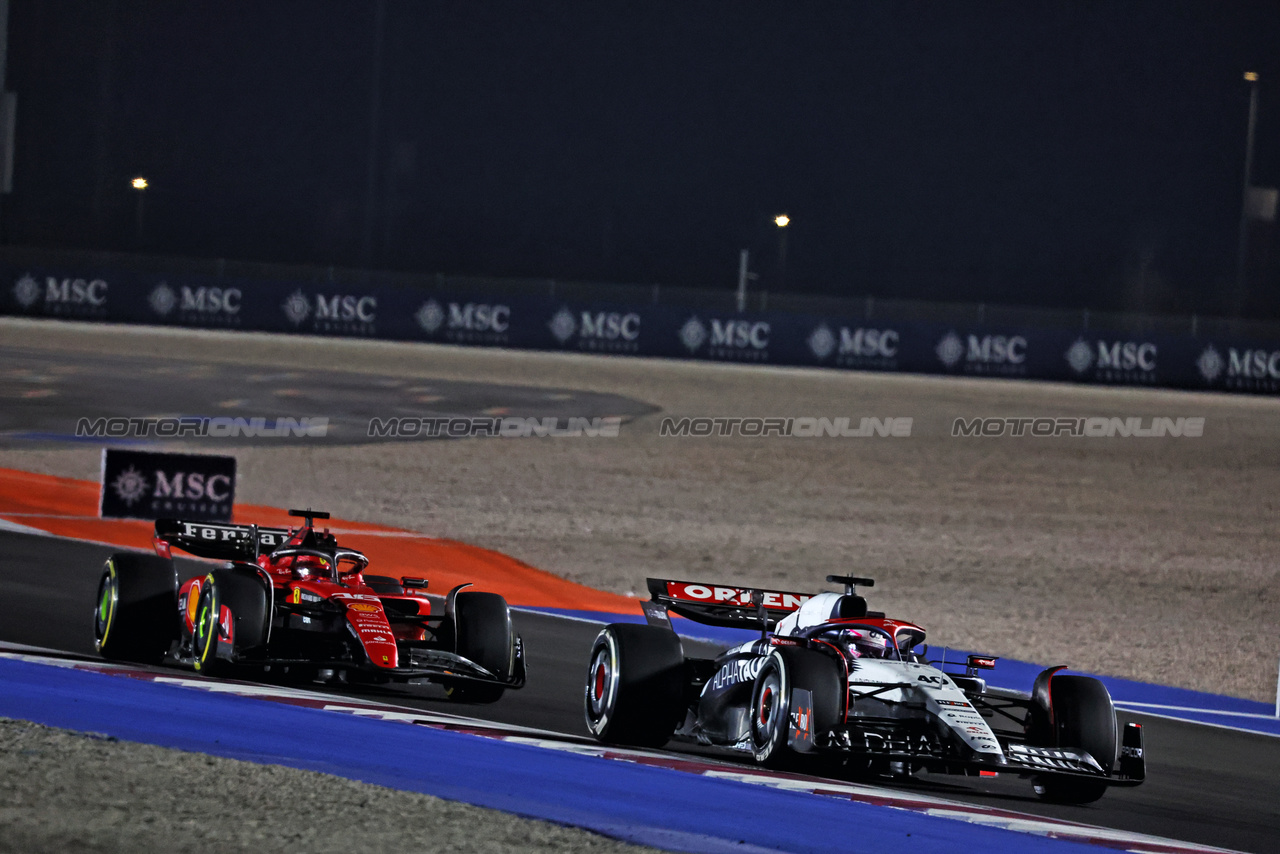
[1076, 154]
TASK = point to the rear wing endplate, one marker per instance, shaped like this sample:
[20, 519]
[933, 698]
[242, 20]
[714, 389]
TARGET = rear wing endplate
[718, 605]
[219, 541]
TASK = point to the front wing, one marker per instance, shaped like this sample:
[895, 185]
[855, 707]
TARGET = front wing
[915, 742]
[434, 665]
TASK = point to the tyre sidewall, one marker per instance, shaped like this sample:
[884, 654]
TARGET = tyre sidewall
[482, 632]
[204, 640]
[642, 698]
[136, 613]
[785, 670]
[601, 696]
[1083, 718]
[771, 711]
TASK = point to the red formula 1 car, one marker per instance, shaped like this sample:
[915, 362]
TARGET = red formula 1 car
[294, 603]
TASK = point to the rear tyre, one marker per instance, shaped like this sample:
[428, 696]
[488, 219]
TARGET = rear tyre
[137, 613]
[482, 633]
[1084, 718]
[787, 669]
[635, 692]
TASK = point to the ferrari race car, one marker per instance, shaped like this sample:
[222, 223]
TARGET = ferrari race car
[294, 604]
[836, 688]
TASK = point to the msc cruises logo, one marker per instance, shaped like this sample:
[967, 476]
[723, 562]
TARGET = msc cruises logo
[1251, 369]
[351, 314]
[130, 486]
[68, 297]
[1119, 361]
[600, 331]
[983, 354]
[200, 304]
[476, 323]
[857, 347]
[734, 338]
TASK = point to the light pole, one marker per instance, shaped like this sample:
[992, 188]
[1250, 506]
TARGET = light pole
[782, 221]
[140, 185]
[1242, 249]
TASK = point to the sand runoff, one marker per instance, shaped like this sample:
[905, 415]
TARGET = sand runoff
[1145, 558]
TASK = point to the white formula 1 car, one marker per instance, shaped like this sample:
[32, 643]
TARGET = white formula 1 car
[829, 679]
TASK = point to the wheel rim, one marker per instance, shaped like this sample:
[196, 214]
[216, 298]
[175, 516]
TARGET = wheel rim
[108, 601]
[602, 685]
[768, 709]
[206, 626]
[599, 682]
[766, 706]
[600, 672]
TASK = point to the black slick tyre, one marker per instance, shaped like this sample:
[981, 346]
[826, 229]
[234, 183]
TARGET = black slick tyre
[1084, 718]
[482, 632]
[787, 669]
[136, 618]
[635, 691]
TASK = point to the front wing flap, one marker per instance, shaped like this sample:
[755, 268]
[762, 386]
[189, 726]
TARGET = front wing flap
[423, 663]
[1018, 758]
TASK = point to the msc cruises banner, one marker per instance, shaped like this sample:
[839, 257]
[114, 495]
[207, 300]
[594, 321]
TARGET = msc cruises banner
[544, 323]
[147, 485]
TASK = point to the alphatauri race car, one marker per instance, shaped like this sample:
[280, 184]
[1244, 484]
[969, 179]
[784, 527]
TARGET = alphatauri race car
[835, 688]
[294, 604]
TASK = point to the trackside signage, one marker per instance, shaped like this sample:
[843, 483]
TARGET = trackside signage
[146, 485]
[460, 312]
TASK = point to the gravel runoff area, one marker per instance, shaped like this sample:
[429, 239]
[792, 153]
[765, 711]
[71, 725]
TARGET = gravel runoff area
[70, 792]
[1147, 558]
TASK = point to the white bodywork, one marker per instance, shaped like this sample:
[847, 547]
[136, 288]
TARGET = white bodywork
[928, 684]
[814, 612]
[940, 695]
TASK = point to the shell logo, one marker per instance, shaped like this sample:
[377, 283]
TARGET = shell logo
[363, 608]
[193, 598]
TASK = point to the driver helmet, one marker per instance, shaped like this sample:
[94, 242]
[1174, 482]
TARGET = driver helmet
[307, 566]
[863, 643]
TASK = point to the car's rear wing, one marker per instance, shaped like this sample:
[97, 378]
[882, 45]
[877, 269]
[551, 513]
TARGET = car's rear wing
[217, 541]
[719, 605]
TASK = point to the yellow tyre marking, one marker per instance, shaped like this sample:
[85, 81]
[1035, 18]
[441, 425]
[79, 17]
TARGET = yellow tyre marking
[213, 630]
[111, 611]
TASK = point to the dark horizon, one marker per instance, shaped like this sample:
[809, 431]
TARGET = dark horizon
[1056, 154]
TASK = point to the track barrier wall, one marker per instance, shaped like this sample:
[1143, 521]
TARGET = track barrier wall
[1062, 346]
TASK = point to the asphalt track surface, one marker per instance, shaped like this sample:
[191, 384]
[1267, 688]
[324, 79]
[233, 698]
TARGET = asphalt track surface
[59, 389]
[1207, 785]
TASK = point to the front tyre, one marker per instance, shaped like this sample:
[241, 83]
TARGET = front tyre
[482, 633]
[136, 618]
[635, 685]
[1083, 718]
[785, 670]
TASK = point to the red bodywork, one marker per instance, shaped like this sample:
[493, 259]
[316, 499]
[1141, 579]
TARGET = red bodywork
[294, 578]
